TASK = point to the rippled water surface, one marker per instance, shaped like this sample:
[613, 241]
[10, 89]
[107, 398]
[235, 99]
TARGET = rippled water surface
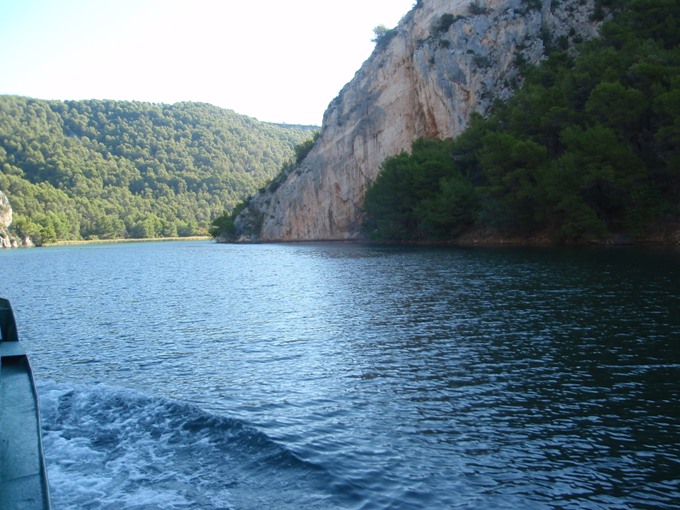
[198, 375]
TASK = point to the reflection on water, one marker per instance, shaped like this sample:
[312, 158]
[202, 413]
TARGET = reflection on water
[418, 378]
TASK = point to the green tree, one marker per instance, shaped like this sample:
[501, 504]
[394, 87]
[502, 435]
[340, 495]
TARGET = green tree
[383, 35]
[97, 164]
[617, 107]
[390, 202]
[224, 226]
[449, 212]
[589, 146]
[379, 32]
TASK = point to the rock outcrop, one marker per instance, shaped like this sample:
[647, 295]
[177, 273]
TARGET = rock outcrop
[6, 241]
[445, 60]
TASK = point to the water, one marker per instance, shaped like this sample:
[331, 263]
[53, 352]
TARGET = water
[198, 375]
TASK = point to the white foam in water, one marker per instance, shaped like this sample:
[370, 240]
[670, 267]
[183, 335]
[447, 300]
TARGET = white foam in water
[114, 448]
[111, 448]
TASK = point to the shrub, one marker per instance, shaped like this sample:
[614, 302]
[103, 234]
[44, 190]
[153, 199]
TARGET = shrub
[444, 23]
[476, 9]
[383, 35]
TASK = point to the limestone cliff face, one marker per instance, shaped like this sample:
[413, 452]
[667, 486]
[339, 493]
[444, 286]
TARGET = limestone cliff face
[444, 61]
[7, 240]
[5, 211]
[5, 221]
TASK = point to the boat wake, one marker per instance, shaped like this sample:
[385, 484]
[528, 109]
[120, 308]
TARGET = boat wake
[114, 448]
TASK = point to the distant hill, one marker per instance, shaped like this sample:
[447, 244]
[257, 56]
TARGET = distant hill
[114, 169]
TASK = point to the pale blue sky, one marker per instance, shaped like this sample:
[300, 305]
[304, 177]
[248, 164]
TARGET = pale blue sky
[276, 60]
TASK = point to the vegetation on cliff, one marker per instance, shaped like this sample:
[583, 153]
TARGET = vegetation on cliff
[224, 226]
[114, 169]
[589, 147]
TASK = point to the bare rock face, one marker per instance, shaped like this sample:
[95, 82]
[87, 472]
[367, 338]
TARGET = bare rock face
[444, 61]
[5, 211]
[5, 221]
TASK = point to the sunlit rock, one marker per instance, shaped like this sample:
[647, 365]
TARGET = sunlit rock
[445, 60]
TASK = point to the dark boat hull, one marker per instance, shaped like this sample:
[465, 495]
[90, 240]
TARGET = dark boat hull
[23, 475]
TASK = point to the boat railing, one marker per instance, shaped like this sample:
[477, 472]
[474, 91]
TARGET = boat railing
[23, 473]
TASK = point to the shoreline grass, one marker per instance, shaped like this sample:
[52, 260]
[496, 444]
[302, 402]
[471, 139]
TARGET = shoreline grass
[128, 240]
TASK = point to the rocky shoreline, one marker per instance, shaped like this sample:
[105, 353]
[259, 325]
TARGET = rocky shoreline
[7, 240]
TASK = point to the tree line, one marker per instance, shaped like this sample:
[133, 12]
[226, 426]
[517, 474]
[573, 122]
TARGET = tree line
[115, 169]
[588, 147]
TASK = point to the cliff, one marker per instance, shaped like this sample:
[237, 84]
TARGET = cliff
[445, 60]
[6, 240]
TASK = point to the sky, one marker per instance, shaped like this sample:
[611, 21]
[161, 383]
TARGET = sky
[276, 60]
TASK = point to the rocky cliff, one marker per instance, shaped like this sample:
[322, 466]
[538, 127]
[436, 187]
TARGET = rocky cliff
[5, 221]
[7, 240]
[445, 60]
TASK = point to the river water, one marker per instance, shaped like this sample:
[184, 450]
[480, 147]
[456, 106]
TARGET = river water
[198, 375]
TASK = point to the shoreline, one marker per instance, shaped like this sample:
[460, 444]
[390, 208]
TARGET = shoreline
[503, 243]
[667, 235]
[128, 240]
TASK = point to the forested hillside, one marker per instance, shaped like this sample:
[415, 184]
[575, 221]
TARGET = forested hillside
[588, 149]
[111, 169]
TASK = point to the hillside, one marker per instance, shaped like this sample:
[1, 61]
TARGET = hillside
[449, 62]
[446, 60]
[113, 169]
[587, 150]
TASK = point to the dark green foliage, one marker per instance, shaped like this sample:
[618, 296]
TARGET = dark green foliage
[107, 169]
[533, 4]
[383, 35]
[476, 8]
[419, 196]
[224, 226]
[301, 150]
[451, 210]
[443, 23]
[589, 147]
